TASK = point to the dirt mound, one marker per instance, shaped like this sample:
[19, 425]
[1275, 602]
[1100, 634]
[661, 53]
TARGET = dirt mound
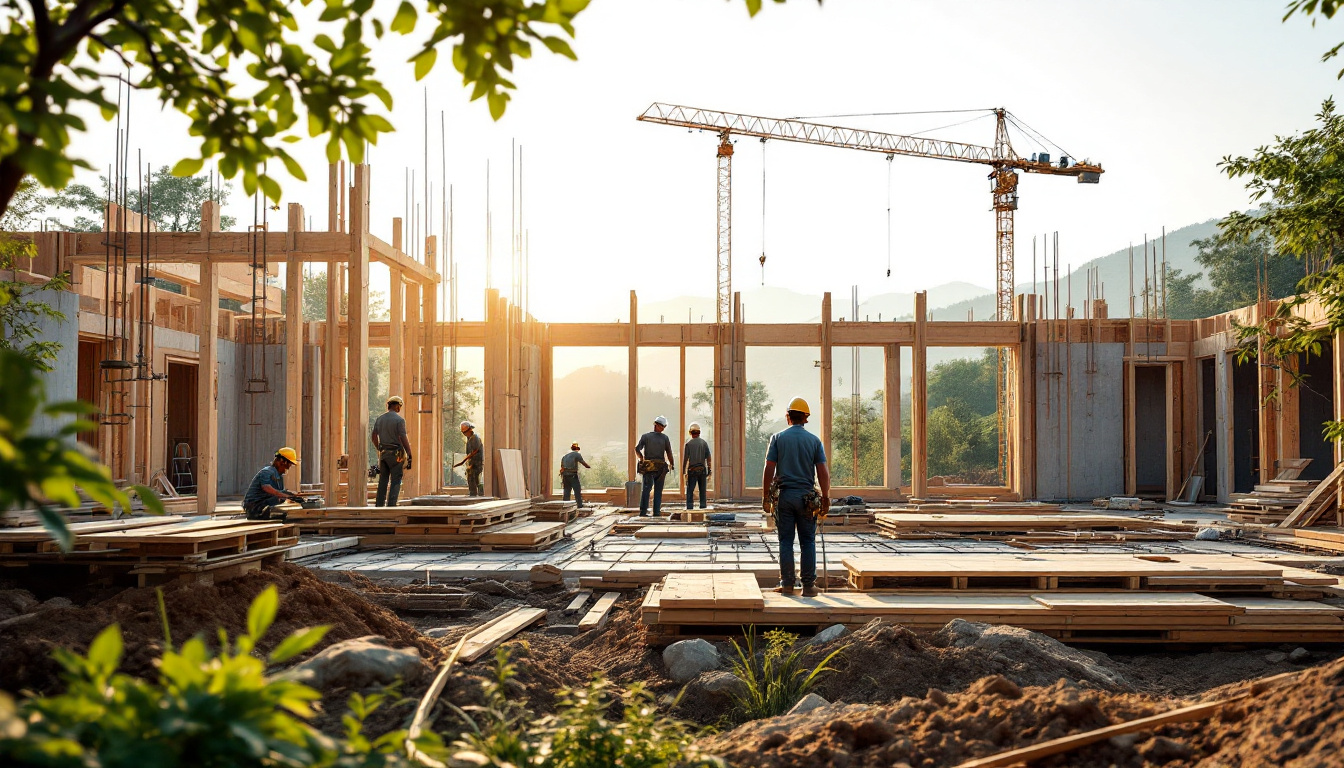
[193, 609]
[883, 662]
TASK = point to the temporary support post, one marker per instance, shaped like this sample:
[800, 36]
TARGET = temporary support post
[1338, 362]
[207, 392]
[357, 432]
[429, 358]
[1024, 463]
[827, 380]
[547, 408]
[1268, 405]
[396, 361]
[891, 414]
[919, 396]
[1290, 437]
[294, 336]
[681, 414]
[632, 382]
[333, 388]
[410, 382]
[739, 400]
[496, 394]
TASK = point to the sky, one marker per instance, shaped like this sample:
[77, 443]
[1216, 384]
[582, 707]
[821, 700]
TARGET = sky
[1157, 92]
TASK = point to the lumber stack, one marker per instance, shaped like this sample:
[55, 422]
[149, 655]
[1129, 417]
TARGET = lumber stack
[1094, 599]
[1270, 502]
[486, 525]
[555, 511]
[151, 550]
[1045, 528]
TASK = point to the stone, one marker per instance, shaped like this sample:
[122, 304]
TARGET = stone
[686, 659]
[1299, 655]
[1026, 649]
[1276, 657]
[358, 664]
[1208, 534]
[808, 703]
[545, 574]
[492, 587]
[833, 632]
[719, 683]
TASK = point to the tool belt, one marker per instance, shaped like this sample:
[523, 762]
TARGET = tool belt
[647, 466]
[696, 470]
[815, 504]
[399, 452]
[564, 471]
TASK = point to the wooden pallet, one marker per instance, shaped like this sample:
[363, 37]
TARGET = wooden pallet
[675, 531]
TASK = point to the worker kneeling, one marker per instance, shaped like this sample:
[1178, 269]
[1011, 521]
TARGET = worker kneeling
[794, 459]
[267, 490]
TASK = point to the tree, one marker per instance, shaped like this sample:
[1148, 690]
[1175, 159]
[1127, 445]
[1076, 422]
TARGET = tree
[759, 404]
[1236, 269]
[22, 314]
[971, 381]
[244, 73]
[174, 202]
[461, 396]
[871, 440]
[961, 444]
[604, 474]
[1326, 8]
[315, 300]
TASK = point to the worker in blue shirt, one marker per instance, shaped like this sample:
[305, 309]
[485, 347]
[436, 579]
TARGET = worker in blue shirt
[794, 459]
[267, 490]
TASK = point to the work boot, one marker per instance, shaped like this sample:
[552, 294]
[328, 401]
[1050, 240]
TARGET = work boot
[809, 590]
[784, 589]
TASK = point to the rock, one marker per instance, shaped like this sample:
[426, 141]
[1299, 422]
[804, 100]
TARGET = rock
[1208, 534]
[808, 703]
[545, 574]
[358, 664]
[1276, 657]
[720, 683]
[1299, 655]
[1027, 649]
[1162, 750]
[833, 632]
[687, 658]
[492, 587]
[439, 631]
[16, 602]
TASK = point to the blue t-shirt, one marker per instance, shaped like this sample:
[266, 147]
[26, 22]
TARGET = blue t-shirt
[268, 475]
[796, 453]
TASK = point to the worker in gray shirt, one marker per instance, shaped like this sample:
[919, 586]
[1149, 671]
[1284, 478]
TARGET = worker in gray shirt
[695, 463]
[651, 450]
[475, 459]
[394, 452]
[569, 473]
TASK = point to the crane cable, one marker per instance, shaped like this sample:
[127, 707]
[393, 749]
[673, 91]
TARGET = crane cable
[890, 158]
[762, 211]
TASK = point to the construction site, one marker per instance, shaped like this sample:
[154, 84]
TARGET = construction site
[1148, 573]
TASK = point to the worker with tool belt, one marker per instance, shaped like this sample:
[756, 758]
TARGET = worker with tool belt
[394, 452]
[695, 460]
[569, 473]
[652, 470]
[794, 459]
[267, 490]
[475, 459]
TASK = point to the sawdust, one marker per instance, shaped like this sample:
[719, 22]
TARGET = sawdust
[305, 601]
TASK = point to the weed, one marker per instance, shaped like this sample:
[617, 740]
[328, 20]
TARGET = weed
[775, 679]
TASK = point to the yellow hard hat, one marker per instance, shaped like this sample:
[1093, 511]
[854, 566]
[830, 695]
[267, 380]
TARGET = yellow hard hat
[288, 454]
[574, 447]
[395, 399]
[800, 405]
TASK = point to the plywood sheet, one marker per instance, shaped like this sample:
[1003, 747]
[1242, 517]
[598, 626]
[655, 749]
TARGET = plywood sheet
[681, 531]
[509, 472]
[1038, 564]
[1125, 603]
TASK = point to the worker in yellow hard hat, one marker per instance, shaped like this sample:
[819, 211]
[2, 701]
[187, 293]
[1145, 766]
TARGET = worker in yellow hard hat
[795, 460]
[569, 473]
[394, 452]
[695, 464]
[267, 490]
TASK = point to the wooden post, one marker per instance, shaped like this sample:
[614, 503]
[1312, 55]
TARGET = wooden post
[547, 376]
[207, 393]
[632, 382]
[357, 433]
[919, 397]
[891, 415]
[681, 416]
[1267, 407]
[496, 395]
[294, 336]
[396, 351]
[1024, 465]
[429, 357]
[1290, 425]
[739, 400]
[333, 389]
[827, 379]
[1337, 360]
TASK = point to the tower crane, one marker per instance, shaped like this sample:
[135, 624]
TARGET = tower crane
[1004, 162]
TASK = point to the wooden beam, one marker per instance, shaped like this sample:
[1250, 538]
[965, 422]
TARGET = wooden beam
[207, 395]
[333, 386]
[294, 340]
[827, 377]
[1290, 425]
[547, 376]
[891, 415]
[357, 434]
[632, 384]
[919, 401]
[396, 361]
[1024, 463]
[1266, 405]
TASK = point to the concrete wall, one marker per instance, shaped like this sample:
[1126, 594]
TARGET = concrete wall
[251, 426]
[1083, 412]
[62, 382]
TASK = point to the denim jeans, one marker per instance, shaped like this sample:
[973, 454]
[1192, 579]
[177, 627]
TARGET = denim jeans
[389, 468]
[791, 515]
[572, 483]
[653, 481]
[474, 480]
[692, 481]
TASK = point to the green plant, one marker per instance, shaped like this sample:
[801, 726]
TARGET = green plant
[42, 470]
[499, 729]
[203, 710]
[775, 678]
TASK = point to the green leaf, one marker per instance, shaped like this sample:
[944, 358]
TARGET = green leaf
[753, 7]
[557, 45]
[424, 62]
[271, 188]
[188, 167]
[404, 21]
[497, 103]
[149, 498]
[298, 642]
[105, 651]
[262, 612]
[58, 527]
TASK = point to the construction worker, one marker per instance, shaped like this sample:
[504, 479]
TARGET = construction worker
[794, 459]
[267, 490]
[695, 463]
[654, 470]
[569, 472]
[475, 459]
[394, 452]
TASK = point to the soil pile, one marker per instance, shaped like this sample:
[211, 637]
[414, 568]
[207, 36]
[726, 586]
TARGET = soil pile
[193, 609]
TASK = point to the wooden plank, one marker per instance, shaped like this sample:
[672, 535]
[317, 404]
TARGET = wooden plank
[598, 615]
[1302, 514]
[207, 384]
[511, 485]
[681, 531]
[580, 600]
[38, 533]
[487, 637]
[521, 535]
[1038, 564]
[919, 395]
[891, 416]
[426, 705]
[294, 338]
[1124, 602]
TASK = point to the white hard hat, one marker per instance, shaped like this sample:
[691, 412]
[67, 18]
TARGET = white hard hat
[661, 420]
[467, 425]
[695, 427]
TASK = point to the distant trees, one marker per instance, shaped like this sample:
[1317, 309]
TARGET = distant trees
[1234, 268]
[172, 202]
[871, 441]
[759, 405]
[963, 426]
[604, 474]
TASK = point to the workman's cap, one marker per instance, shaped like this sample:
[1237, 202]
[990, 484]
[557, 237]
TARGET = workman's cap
[467, 425]
[695, 426]
[395, 399]
[288, 454]
[800, 405]
[661, 420]
[573, 446]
